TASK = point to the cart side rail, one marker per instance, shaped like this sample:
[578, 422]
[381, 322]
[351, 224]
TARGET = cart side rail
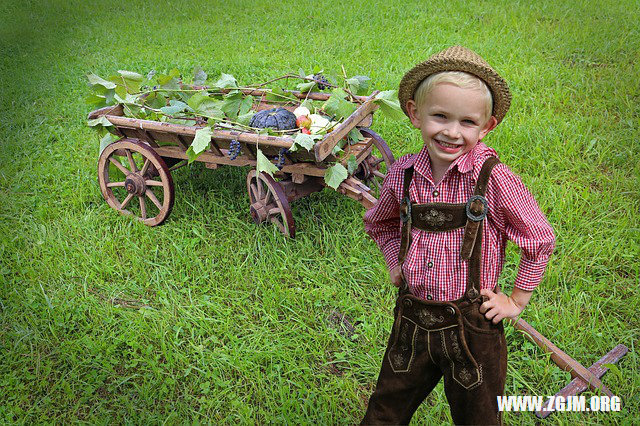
[324, 147]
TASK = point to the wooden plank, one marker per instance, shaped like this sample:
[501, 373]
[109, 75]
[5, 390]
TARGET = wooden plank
[577, 385]
[190, 131]
[209, 157]
[169, 137]
[323, 148]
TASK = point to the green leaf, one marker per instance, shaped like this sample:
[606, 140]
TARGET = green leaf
[354, 136]
[389, 104]
[305, 141]
[263, 164]
[200, 142]
[231, 104]
[276, 94]
[226, 81]
[352, 164]
[205, 105]
[246, 105]
[107, 140]
[306, 86]
[337, 106]
[95, 80]
[199, 76]
[174, 107]
[169, 81]
[100, 121]
[130, 75]
[334, 175]
[155, 100]
[358, 84]
[245, 118]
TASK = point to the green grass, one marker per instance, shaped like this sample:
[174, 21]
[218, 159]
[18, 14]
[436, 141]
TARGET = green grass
[216, 319]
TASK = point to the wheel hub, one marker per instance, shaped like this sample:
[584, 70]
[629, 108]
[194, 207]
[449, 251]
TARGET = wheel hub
[134, 184]
[259, 212]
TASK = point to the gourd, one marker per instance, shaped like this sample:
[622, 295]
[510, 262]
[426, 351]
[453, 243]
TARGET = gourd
[278, 118]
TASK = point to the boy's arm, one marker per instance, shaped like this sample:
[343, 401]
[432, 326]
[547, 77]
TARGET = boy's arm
[382, 223]
[516, 213]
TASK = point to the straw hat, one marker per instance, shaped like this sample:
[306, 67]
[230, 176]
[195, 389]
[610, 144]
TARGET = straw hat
[457, 58]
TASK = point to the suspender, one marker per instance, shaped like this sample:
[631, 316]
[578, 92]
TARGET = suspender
[439, 217]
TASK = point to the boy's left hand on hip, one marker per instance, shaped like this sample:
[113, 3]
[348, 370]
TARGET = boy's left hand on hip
[499, 306]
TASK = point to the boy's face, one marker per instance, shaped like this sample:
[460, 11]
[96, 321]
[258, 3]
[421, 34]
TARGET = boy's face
[452, 120]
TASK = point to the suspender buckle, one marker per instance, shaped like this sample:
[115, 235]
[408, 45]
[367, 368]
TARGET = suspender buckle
[483, 213]
[405, 210]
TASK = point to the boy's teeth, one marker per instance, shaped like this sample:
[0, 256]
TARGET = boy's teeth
[448, 145]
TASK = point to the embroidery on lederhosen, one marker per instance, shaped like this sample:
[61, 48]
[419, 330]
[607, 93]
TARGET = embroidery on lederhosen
[463, 370]
[435, 218]
[402, 351]
[427, 318]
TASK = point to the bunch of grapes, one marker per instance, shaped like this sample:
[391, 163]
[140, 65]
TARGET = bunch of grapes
[234, 149]
[321, 81]
[281, 154]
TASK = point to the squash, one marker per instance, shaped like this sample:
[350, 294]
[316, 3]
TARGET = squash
[277, 118]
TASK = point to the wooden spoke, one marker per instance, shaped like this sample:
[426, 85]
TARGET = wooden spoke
[119, 165]
[126, 201]
[254, 191]
[274, 211]
[132, 163]
[260, 189]
[268, 198]
[153, 198]
[379, 174]
[143, 206]
[276, 221]
[114, 184]
[145, 167]
[151, 182]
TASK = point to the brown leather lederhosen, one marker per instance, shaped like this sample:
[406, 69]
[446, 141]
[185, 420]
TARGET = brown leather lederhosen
[431, 339]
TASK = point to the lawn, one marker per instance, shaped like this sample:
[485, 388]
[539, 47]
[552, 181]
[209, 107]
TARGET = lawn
[211, 318]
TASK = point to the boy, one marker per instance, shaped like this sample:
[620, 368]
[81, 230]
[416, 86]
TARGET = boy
[442, 222]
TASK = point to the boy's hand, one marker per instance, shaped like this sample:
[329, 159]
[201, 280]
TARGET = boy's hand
[500, 306]
[396, 276]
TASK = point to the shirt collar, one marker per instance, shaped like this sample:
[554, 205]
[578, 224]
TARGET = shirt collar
[464, 163]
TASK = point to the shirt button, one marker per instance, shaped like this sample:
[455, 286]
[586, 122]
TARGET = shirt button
[429, 264]
[436, 193]
[429, 297]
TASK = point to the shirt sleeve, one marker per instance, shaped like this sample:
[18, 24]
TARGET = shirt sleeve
[382, 223]
[518, 216]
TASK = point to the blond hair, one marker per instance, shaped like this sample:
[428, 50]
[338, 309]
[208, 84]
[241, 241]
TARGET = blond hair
[459, 78]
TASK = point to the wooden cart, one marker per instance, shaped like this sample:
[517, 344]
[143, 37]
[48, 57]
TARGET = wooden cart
[135, 172]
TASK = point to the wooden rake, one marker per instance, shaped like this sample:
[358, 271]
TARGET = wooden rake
[583, 378]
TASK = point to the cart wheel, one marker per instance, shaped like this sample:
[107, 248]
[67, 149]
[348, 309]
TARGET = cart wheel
[269, 203]
[373, 169]
[134, 180]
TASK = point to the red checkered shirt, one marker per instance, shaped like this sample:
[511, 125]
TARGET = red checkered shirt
[433, 267]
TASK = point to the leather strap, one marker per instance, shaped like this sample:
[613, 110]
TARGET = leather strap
[477, 209]
[405, 216]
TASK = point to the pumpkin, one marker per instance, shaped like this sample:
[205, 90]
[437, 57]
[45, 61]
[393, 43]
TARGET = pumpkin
[278, 118]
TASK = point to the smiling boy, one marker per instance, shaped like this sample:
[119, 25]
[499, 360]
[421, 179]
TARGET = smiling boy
[442, 222]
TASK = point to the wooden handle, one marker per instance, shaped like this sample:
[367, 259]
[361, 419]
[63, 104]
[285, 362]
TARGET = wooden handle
[323, 148]
[561, 359]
